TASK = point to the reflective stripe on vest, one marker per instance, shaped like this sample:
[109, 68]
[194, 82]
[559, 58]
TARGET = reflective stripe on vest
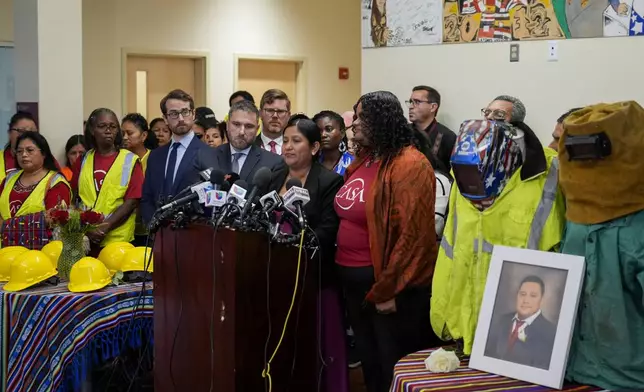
[449, 249]
[3, 172]
[545, 205]
[35, 202]
[487, 247]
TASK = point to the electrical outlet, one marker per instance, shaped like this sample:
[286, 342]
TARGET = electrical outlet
[553, 51]
[514, 53]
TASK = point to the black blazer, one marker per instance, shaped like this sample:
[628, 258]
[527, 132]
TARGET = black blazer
[257, 158]
[192, 163]
[322, 185]
[536, 351]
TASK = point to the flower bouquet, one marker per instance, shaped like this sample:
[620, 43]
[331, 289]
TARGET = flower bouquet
[71, 224]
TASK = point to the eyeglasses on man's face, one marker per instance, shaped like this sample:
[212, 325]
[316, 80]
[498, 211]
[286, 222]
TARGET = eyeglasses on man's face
[185, 113]
[497, 114]
[275, 112]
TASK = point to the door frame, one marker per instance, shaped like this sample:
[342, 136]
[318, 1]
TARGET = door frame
[301, 79]
[194, 55]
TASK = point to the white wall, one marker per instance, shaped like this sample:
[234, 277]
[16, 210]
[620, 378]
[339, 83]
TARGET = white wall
[469, 75]
[326, 33]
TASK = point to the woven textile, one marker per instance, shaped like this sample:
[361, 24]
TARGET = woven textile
[51, 338]
[410, 375]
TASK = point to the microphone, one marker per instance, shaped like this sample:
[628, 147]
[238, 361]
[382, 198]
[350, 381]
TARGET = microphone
[234, 197]
[216, 198]
[261, 179]
[229, 180]
[295, 198]
[198, 191]
[204, 174]
[270, 202]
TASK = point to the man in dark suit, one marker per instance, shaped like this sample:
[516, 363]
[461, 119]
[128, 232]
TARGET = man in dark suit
[240, 155]
[176, 165]
[525, 337]
[275, 108]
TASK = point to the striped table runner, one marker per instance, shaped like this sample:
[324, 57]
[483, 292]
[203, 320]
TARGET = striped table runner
[50, 338]
[410, 375]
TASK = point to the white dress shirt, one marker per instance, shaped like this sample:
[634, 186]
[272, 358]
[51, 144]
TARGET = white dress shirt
[184, 141]
[278, 143]
[242, 158]
[526, 322]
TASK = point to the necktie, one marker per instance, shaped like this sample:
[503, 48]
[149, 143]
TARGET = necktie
[236, 157]
[169, 171]
[514, 335]
[272, 144]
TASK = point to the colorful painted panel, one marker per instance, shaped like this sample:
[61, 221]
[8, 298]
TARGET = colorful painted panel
[414, 22]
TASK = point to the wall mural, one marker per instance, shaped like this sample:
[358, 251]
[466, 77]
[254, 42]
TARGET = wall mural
[418, 22]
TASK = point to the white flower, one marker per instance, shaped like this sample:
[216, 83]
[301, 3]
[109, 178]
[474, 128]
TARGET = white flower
[522, 335]
[441, 361]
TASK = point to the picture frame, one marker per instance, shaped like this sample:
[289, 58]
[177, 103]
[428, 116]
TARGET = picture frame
[528, 314]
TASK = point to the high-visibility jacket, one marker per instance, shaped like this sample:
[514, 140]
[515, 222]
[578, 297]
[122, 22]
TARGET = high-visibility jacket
[112, 193]
[35, 202]
[528, 214]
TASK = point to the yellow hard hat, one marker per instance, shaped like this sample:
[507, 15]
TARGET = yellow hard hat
[136, 259]
[88, 274]
[30, 268]
[7, 255]
[112, 255]
[53, 250]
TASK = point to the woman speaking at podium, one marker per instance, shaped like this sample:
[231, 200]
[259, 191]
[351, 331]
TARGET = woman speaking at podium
[108, 180]
[25, 194]
[300, 149]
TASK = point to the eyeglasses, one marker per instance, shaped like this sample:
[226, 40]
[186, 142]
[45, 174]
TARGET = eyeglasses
[23, 130]
[103, 127]
[275, 112]
[29, 151]
[185, 113]
[416, 102]
[497, 114]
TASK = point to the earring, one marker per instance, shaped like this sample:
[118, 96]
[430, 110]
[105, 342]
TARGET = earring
[342, 147]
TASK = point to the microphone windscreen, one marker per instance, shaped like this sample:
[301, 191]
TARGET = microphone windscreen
[262, 178]
[229, 180]
[242, 184]
[293, 182]
[217, 177]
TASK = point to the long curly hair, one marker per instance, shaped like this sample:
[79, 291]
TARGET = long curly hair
[386, 127]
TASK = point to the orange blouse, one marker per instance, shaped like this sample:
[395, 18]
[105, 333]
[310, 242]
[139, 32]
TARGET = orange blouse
[400, 220]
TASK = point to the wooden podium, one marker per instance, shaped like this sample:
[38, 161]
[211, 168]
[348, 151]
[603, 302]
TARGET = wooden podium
[242, 319]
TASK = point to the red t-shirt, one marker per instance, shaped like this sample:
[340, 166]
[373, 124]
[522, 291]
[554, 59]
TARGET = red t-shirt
[102, 164]
[10, 163]
[55, 194]
[353, 234]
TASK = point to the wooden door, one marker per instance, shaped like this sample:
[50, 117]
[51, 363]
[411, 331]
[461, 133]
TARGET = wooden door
[257, 76]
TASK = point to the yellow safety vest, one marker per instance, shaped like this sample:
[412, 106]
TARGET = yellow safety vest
[112, 193]
[144, 160]
[35, 202]
[528, 214]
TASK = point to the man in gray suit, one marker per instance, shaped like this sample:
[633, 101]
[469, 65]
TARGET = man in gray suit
[525, 337]
[240, 155]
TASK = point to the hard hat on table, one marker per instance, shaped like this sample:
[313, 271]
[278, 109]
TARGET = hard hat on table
[88, 274]
[137, 258]
[28, 269]
[7, 255]
[53, 249]
[112, 255]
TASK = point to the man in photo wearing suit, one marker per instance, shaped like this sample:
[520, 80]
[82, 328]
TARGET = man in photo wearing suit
[275, 111]
[176, 165]
[525, 337]
[240, 155]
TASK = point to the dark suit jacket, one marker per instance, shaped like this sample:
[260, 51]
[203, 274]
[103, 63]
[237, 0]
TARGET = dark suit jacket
[192, 163]
[536, 351]
[257, 158]
[322, 185]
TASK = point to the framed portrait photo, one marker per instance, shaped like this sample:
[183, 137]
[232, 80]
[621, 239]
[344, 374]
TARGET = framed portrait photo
[528, 315]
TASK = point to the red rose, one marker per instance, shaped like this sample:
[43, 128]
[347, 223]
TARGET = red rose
[60, 217]
[91, 217]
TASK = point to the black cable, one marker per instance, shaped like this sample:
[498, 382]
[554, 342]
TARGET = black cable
[131, 323]
[323, 363]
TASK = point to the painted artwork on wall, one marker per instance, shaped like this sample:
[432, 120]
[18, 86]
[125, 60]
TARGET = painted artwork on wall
[413, 22]
[401, 22]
